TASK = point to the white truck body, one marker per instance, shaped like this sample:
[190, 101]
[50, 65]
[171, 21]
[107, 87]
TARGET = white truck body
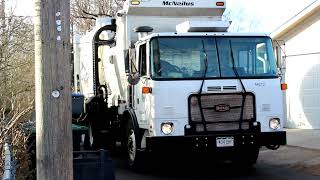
[147, 13]
[169, 100]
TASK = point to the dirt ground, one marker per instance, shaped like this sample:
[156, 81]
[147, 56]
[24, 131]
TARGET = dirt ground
[300, 159]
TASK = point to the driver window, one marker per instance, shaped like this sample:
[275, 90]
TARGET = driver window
[245, 64]
[142, 60]
[262, 59]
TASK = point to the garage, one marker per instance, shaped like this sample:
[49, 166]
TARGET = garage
[298, 51]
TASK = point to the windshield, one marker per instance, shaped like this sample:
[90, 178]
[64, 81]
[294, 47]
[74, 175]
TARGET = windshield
[185, 57]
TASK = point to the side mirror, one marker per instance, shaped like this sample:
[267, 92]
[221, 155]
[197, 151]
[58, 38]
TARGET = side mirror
[133, 79]
[132, 55]
[126, 61]
[131, 69]
[279, 73]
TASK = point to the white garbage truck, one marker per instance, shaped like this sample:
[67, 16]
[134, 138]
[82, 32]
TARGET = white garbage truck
[166, 76]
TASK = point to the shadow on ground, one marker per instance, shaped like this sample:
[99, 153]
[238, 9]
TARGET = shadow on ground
[279, 164]
[185, 168]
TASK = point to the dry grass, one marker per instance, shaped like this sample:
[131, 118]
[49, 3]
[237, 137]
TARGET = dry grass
[309, 169]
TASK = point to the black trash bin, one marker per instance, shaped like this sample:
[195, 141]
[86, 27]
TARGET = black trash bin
[96, 165]
[77, 105]
[77, 132]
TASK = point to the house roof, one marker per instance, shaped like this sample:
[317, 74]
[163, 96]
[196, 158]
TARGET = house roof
[296, 20]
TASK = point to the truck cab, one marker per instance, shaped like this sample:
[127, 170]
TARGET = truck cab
[208, 91]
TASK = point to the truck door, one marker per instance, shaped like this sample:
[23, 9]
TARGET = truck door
[139, 97]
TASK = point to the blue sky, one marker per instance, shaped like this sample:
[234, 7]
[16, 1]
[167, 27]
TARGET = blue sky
[247, 15]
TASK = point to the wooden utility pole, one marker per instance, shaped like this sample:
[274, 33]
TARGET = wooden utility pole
[53, 90]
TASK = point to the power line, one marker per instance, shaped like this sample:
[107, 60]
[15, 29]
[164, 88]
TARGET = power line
[294, 16]
[303, 54]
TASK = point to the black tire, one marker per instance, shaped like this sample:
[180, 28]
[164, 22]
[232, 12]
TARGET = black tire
[96, 140]
[88, 139]
[135, 157]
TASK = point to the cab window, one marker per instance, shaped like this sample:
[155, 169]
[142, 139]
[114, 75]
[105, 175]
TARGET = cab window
[142, 60]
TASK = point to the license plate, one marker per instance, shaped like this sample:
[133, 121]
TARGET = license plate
[225, 141]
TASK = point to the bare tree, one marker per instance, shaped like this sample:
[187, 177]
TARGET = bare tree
[241, 21]
[84, 12]
[16, 84]
[16, 72]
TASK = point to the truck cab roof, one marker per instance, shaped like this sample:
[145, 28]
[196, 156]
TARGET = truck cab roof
[175, 34]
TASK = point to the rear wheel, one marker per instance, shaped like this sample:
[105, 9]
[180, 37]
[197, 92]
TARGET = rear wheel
[88, 141]
[98, 139]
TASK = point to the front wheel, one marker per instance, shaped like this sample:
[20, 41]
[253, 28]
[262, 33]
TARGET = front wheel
[135, 157]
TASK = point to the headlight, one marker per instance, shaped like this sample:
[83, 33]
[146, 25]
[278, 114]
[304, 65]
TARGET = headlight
[167, 128]
[274, 123]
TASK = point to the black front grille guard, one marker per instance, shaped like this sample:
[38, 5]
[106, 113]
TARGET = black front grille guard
[204, 122]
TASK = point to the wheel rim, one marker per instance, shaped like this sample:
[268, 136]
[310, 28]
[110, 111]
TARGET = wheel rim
[90, 136]
[131, 146]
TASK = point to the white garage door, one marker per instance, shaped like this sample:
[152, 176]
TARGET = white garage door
[303, 94]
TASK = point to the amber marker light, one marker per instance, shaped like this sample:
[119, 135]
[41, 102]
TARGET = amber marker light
[135, 2]
[220, 3]
[284, 86]
[146, 90]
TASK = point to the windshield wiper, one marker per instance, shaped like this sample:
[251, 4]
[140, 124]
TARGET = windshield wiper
[206, 68]
[243, 88]
[234, 68]
[200, 90]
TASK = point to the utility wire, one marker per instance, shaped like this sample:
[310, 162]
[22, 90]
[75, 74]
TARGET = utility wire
[303, 54]
[294, 16]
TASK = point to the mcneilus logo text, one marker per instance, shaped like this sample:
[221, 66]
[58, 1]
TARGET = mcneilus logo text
[177, 3]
